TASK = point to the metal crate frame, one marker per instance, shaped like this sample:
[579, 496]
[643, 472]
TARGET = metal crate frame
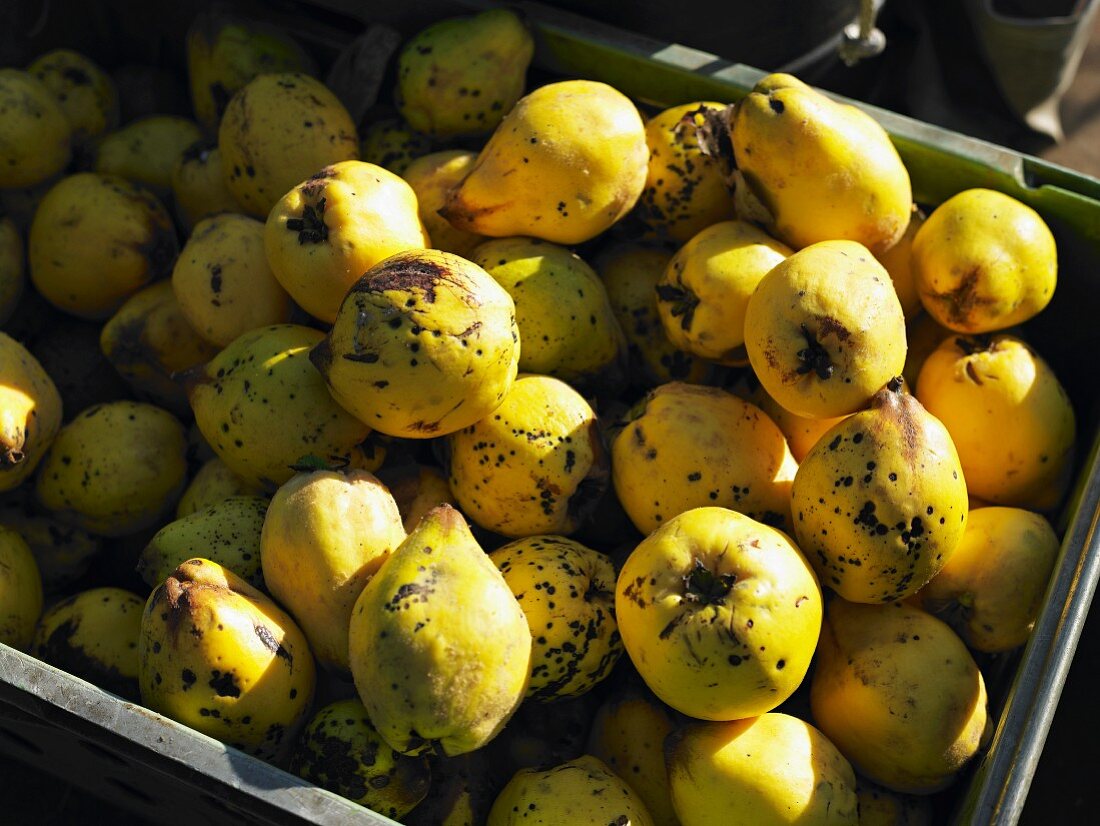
[140, 759]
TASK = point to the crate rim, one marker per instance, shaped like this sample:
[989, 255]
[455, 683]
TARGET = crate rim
[999, 785]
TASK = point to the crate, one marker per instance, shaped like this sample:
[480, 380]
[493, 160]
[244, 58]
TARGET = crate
[170, 773]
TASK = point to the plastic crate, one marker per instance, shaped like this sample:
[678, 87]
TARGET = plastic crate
[170, 773]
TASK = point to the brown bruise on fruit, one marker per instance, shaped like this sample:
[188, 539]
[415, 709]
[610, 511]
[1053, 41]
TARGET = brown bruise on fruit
[176, 596]
[882, 484]
[132, 353]
[62, 648]
[899, 406]
[967, 299]
[180, 633]
[826, 352]
[712, 137]
[115, 237]
[161, 245]
[420, 275]
[399, 320]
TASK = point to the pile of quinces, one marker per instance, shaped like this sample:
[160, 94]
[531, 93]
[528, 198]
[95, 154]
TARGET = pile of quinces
[370, 449]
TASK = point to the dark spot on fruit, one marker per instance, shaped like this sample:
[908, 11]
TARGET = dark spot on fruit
[224, 684]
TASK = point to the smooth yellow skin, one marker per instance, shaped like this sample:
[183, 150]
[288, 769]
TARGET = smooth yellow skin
[85, 92]
[269, 408]
[393, 145]
[330, 229]
[567, 593]
[440, 649]
[537, 465]
[266, 146]
[326, 534]
[20, 590]
[95, 241]
[214, 482]
[923, 335]
[115, 469]
[376, 776]
[991, 590]
[719, 613]
[882, 807]
[629, 273]
[223, 282]
[30, 413]
[566, 323]
[94, 635]
[984, 261]
[198, 185]
[688, 446]
[898, 263]
[854, 338]
[146, 151]
[222, 658]
[12, 276]
[62, 553]
[1008, 415]
[225, 53]
[837, 175]
[149, 340]
[872, 696]
[628, 734]
[416, 489]
[425, 344]
[685, 191]
[580, 791]
[432, 177]
[461, 76]
[771, 770]
[35, 135]
[567, 162]
[705, 290]
[226, 532]
[879, 503]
